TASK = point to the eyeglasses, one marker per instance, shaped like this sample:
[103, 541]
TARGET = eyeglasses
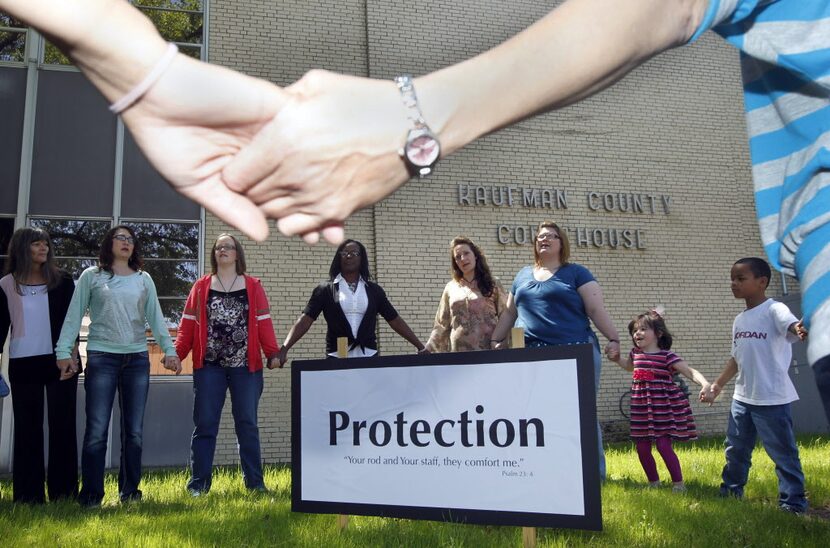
[548, 236]
[225, 247]
[124, 238]
[347, 254]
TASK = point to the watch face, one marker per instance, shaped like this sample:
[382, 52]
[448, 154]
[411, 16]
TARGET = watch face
[423, 150]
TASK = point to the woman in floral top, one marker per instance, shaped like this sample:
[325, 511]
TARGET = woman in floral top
[471, 303]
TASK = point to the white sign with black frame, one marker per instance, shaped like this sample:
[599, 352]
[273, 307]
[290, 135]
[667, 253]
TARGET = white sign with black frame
[496, 437]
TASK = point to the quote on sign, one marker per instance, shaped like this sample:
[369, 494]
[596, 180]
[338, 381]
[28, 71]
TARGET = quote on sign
[400, 436]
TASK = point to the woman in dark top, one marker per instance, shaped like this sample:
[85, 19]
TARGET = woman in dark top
[226, 323]
[350, 303]
[33, 302]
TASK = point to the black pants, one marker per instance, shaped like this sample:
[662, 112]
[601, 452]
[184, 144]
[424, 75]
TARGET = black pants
[30, 378]
[821, 369]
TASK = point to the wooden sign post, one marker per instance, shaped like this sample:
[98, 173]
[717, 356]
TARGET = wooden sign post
[517, 340]
[342, 352]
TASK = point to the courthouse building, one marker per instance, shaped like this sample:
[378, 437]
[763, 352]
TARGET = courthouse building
[651, 178]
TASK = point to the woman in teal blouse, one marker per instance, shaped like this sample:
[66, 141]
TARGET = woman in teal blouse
[121, 300]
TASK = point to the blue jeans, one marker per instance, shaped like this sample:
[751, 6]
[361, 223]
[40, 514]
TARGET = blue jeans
[821, 369]
[597, 371]
[210, 384]
[773, 423]
[129, 374]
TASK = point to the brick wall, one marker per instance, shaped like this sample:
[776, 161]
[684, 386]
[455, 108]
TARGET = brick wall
[673, 127]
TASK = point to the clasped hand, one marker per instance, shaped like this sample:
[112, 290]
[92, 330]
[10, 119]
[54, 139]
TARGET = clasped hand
[172, 363]
[308, 155]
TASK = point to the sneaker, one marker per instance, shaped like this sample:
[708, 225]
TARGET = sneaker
[132, 497]
[653, 485]
[89, 504]
[196, 493]
[725, 492]
[678, 487]
[792, 509]
[4, 388]
[261, 489]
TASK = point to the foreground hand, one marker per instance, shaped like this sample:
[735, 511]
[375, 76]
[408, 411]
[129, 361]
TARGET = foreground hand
[173, 363]
[273, 362]
[332, 149]
[190, 125]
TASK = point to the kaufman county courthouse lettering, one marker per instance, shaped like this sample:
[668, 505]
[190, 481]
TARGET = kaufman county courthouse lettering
[651, 180]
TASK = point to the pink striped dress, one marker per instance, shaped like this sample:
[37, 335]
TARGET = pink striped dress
[658, 407]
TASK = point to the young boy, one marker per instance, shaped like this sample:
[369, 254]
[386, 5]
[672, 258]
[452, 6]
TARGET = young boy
[761, 354]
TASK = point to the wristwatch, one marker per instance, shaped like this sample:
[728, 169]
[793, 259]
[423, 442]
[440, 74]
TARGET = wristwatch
[421, 150]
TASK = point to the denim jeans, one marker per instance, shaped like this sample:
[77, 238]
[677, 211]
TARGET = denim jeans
[597, 371]
[774, 425]
[129, 374]
[210, 384]
[821, 369]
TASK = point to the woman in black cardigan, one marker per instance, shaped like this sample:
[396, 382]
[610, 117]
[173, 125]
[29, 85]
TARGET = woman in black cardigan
[350, 302]
[33, 302]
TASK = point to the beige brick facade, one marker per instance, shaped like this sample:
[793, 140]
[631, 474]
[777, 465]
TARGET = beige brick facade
[672, 128]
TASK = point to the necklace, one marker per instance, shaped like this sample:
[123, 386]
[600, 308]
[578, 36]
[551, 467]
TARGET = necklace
[223, 285]
[353, 286]
[32, 288]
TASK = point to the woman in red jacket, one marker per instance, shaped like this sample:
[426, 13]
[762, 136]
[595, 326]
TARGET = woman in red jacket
[226, 322]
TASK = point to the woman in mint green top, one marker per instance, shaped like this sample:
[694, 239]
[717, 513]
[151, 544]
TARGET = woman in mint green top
[121, 300]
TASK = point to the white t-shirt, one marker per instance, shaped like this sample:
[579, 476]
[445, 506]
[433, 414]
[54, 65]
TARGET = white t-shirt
[761, 344]
[34, 337]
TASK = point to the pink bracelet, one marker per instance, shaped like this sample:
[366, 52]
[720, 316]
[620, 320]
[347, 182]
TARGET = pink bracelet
[144, 86]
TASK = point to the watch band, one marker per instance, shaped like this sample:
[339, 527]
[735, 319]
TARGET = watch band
[410, 100]
[422, 149]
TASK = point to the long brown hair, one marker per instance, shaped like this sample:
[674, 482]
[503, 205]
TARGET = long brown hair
[106, 257]
[19, 263]
[485, 279]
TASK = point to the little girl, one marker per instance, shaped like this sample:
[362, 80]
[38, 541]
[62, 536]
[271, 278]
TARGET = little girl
[659, 409]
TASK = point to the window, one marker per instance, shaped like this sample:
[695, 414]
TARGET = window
[75, 242]
[171, 257]
[6, 231]
[12, 39]
[178, 21]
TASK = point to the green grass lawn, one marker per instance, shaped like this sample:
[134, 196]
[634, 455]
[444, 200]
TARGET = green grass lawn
[632, 515]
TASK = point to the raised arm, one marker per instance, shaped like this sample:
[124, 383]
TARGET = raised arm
[340, 135]
[191, 121]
